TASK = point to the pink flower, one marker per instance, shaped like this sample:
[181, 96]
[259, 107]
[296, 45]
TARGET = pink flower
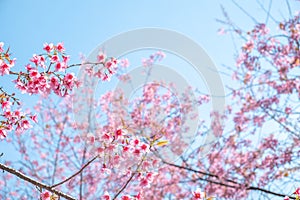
[65, 58]
[137, 152]
[138, 196]
[105, 136]
[2, 133]
[25, 124]
[106, 196]
[54, 84]
[297, 192]
[144, 183]
[34, 118]
[125, 149]
[76, 139]
[124, 63]
[60, 67]
[160, 55]
[45, 195]
[1, 47]
[144, 147]
[18, 113]
[60, 47]
[288, 110]
[136, 142]
[34, 73]
[101, 57]
[4, 68]
[249, 46]
[29, 67]
[48, 47]
[119, 133]
[69, 81]
[8, 114]
[55, 58]
[286, 198]
[126, 197]
[5, 105]
[69, 77]
[198, 194]
[91, 138]
[111, 65]
[104, 170]
[35, 59]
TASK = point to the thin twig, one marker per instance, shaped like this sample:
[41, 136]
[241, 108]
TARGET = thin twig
[225, 184]
[78, 172]
[131, 177]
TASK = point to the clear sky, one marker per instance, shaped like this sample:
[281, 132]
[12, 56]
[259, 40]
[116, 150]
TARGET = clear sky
[26, 25]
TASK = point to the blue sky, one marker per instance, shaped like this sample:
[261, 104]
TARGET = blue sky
[26, 25]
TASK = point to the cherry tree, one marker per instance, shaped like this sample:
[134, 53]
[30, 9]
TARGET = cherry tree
[125, 155]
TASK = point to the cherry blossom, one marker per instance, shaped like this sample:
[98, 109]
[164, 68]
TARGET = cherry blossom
[297, 192]
[198, 194]
[46, 195]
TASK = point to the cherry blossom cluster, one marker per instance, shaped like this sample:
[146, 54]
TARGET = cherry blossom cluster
[278, 56]
[40, 78]
[143, 131]
[6, 62]
[104, 68]
[266, 103]
[46, 73]
[12, 119]
[156, 57]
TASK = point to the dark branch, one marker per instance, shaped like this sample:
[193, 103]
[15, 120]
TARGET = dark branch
[34, 182]
[237, 185]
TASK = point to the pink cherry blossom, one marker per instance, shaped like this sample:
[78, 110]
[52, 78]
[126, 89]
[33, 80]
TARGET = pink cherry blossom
[61, 67]
[45, 195]
[297, 192]
[1, 47]
[48, 47]
[126, 197]
[60, 47]
[4, 68]
[101, 57]
[5, 105]
[106, 196]
[198, 194]
[55, 58]
[2, 133]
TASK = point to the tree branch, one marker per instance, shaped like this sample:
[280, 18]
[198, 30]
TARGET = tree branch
[34, 182]
[237, 186]
[78, 172]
